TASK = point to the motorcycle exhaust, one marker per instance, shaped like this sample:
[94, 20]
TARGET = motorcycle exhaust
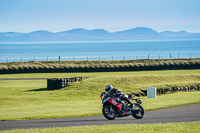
[126, 113]
[135, 109]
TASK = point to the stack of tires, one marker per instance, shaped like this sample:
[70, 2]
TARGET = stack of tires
[50, 84]
[58, 83]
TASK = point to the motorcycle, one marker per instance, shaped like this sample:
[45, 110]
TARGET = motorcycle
[113, 107]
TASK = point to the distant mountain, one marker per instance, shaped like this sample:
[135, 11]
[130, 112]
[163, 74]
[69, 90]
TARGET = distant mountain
[13, 37]
[41, 36]
[174, 34]
[84, 35]
[11, 34]
[180, 35]
[138, 33]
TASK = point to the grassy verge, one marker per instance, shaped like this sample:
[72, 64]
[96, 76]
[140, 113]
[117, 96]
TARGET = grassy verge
[50, 64]
[98, 66]
[189, 127]
[31, 100]
[36, 107]
[100, 74]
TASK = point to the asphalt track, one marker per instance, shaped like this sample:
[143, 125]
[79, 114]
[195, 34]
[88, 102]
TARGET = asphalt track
[187, 113]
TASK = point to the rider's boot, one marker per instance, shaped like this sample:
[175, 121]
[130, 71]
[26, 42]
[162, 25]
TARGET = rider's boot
[127, 100]
[131, 104]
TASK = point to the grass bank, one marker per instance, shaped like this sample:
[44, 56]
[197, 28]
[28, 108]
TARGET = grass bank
[185, 127]
[98, 66]
[22, 99]
[101, 74]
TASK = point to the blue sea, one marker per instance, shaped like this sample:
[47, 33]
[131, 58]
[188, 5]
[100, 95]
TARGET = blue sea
[50, 51]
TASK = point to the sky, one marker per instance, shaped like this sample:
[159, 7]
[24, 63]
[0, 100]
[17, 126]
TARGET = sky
[111, 15]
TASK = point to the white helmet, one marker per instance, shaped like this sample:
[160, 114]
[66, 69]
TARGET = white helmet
[108, 88]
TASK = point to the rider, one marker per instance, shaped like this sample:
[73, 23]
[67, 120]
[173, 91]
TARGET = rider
[113, 91]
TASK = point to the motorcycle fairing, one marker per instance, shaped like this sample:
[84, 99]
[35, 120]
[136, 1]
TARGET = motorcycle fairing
[116, 104]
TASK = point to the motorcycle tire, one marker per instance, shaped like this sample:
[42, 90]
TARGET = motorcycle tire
[138, 114]
[106, 110]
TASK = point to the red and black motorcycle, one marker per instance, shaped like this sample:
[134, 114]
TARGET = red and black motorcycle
[113, 107]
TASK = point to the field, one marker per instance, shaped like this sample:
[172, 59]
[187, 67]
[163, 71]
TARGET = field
[190, 127]
[30, 99]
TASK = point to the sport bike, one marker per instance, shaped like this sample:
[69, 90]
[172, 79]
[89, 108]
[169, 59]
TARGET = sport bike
[114, 107]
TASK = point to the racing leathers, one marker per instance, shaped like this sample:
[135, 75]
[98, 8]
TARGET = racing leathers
[118, 94]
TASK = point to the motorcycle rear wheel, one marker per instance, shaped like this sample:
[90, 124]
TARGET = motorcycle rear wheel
[109, 112]
[138, 114]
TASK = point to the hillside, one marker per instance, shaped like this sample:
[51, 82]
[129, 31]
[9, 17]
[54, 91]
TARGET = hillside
[79, 34]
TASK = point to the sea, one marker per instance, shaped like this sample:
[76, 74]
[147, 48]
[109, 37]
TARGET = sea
[90, 51]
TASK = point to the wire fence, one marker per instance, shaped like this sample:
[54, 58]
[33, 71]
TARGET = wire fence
[102, 57]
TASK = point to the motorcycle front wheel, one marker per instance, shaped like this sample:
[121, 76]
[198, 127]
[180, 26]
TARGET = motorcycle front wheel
[138, 114]
[109, 112]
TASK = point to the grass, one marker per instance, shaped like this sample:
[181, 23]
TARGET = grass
[98, 74]
[68, 66]
[97, 63]
[30, 99]
[184, 127]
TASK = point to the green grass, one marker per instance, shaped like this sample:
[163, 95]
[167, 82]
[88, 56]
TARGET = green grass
[75, 66]
[98, 74]
[25, 99]
[185, 127]
[49, 64]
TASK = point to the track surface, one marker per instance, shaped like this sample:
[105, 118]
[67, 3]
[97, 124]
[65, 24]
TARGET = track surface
[186, 113]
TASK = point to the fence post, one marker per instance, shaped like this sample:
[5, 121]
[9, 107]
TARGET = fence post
[170, 56]
[99, 57]
[159, 56]
[34, 58]
[59, 59]
[190, 56]
[148, 56]
[87, 58]
[178, 55]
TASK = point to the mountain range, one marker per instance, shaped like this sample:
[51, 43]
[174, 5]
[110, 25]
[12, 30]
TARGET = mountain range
[138, 33]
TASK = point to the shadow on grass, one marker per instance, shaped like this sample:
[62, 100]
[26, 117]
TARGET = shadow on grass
[40, 89]
[45, 89]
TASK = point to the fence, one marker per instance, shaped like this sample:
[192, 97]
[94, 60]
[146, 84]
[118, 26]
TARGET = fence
[103, 57]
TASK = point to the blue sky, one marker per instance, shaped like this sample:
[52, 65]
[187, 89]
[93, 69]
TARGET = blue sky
[111, 15]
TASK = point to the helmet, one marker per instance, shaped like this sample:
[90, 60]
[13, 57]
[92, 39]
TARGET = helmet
[108, 88]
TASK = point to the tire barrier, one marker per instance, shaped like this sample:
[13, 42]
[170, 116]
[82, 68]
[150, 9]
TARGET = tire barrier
[161, 91]
[58, 83]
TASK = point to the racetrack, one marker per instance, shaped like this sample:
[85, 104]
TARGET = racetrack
[186, 113]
